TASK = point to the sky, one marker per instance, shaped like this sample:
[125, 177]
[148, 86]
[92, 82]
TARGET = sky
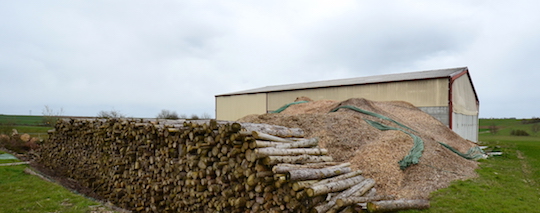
[138, 57]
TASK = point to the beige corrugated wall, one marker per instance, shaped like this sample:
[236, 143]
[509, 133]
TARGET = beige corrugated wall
[464, 109]
[231, 108]
[421, 93]
[463, 97]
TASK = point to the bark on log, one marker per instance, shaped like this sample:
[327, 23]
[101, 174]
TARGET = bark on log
[299, 185]
[264, 144]
[341, 165]
[360, 188]
[300, 144]
[333, 186]
[313, 174]
[342, 202]
[286, 167]
[340, 177]
[264, 152]
[364, 187]
[268, 137]
[372, 192]
[397, 205]
[274, 130]
[273, 160]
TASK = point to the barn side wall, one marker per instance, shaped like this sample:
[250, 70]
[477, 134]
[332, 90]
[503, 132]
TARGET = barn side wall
[464, 109]
[232, 108]
[466, 126]
[421, 93]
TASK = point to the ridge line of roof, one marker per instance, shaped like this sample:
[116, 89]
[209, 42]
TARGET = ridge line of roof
[407, 76]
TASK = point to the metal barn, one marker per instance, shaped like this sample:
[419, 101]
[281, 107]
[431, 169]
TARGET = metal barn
[446, 94]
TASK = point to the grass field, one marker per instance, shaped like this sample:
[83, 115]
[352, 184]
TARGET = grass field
[505, 126]
[32, 125]
[507, 183]
[29, 120]
[21, 192]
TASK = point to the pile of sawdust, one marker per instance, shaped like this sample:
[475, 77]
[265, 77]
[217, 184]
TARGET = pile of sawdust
[349, 138]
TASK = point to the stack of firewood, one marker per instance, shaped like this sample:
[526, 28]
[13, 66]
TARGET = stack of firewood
[204, 166]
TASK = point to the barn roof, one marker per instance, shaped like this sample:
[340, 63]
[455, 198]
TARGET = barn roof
[409, 76]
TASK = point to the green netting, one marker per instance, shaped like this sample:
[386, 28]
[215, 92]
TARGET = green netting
[416, 151]
[474, 153]
[287, 105]
[370, 113]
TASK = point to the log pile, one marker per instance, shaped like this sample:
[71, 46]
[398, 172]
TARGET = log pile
[167, 166]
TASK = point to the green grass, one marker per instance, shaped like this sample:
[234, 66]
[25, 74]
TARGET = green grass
[8, 160]
[499, 122]
[28, 120]
[507, 183]
[505, 126]
[34, 131]
[32, 125]
[21, 192]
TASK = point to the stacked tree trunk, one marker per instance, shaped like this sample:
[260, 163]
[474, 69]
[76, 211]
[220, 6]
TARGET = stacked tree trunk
[167, 166]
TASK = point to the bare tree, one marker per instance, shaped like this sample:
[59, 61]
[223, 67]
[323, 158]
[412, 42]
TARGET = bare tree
[50, 116]
[206, 116]
[110, 114]
[6, 127]
[494, 129]
[166, 114]
[535, 128]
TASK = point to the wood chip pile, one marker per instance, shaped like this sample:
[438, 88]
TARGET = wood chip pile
[168, 166]
[349, 138]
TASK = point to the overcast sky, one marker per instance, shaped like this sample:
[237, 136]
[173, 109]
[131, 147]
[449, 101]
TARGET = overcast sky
[139, 57]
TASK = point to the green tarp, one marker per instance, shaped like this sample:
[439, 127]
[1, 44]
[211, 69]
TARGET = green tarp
[416, 151]
[287, 106]
[7, 156]
[474, 153]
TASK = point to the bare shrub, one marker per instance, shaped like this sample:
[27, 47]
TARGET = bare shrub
[194, 117]
[6, 127]
[166, 114]
[16, 144]
[50, 116]
[110, 114]
[519, 132]
[535, 128]
[533, 120]
[493, 128]
[206, 116]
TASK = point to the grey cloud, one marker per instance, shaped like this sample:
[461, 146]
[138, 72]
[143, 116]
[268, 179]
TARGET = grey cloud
[140, 57]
